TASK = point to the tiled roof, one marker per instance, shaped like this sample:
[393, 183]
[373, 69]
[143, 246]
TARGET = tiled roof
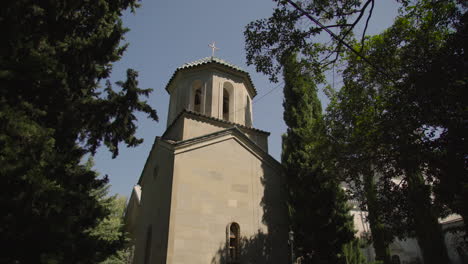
[224, 121]
[206, 117]
[208, 60]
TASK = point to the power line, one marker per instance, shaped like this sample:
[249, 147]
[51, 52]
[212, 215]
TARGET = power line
[258, 99]
[269, 92]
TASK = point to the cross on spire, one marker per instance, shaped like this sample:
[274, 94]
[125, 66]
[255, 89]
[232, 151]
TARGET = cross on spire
[213, 48]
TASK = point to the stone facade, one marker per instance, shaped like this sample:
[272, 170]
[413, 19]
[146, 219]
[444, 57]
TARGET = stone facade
[209, 172]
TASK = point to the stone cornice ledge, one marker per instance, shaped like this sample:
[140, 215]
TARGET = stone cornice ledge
[216, 137]
[214, 120]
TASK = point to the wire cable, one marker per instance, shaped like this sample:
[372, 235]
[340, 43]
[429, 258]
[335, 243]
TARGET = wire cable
[333, 35]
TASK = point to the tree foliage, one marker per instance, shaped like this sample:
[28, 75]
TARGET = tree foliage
[352, 252]
[111, 228]
[397, 129]
[299, 25]
[395, 119]
[53, 56]
[318, 210]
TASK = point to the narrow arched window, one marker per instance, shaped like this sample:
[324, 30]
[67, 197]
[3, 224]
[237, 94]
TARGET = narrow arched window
[196, 97]
[225, 104]
[248, 117]
[233, 243]
[197, 101]
[148, 246]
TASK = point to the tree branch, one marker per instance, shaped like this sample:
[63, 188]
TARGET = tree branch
[340, 40]
[361, 14]
[367, 24]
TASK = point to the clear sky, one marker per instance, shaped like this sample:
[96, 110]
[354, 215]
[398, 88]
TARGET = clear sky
[165, 34]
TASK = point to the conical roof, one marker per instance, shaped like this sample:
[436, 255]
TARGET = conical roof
[211, 60]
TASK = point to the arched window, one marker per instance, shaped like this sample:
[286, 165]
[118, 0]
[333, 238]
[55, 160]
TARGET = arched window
[196, 97]
[248, 116]
[228, 112]
[396, 259]
[148, 246]
[197, 101]
[233, 243]
[225, 104]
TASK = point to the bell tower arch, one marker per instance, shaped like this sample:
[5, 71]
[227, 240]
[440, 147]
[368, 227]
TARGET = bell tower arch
[213, 88]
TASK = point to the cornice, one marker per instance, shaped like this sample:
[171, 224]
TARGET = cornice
[217, 63]
[211, 120]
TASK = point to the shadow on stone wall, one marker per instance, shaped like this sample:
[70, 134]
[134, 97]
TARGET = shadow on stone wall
[270, 246]
[256, 249]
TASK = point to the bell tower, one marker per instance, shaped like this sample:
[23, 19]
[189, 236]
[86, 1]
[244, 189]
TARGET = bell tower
[214, 88]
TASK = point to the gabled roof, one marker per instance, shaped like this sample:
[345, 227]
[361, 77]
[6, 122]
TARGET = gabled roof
[235, 131]
[211, 60]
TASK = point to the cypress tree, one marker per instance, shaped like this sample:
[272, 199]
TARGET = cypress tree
[318, 211]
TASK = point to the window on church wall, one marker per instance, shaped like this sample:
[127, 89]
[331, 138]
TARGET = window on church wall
[228, 102]
[248, 117]
[233, 243]
[197, 101]
[225, 105]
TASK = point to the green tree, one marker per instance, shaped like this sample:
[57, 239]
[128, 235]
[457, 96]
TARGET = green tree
[352, 253]
[111, 228]
[290, 26]
[414, 122]
[403, 131]
[318, 208]
[354, 140]
[442, 97]
[297, 25]
[53, 56]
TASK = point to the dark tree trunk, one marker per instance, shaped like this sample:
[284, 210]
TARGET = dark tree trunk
[428, 230]
[382, 251]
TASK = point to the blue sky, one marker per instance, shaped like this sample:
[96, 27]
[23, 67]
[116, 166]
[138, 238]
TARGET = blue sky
[165, 34]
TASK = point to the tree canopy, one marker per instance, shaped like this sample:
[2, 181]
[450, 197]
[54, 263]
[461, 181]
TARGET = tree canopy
[53, 57]
[400, 118]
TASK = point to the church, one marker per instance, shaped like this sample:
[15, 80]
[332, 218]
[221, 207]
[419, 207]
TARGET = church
[209, 191]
